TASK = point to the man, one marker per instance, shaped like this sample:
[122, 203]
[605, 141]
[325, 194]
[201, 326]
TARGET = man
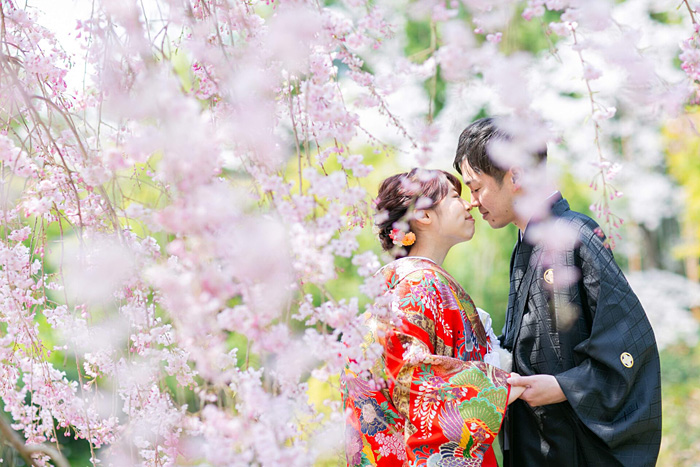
[579, 336]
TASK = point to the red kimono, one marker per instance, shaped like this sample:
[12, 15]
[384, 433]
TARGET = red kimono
[438, 403]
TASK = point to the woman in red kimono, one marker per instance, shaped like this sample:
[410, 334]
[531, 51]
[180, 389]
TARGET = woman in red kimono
[431, 399]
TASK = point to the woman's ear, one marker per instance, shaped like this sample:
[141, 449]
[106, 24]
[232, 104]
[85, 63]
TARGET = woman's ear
[423, 216]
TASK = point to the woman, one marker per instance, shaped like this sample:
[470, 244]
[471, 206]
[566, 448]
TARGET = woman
[432, 399]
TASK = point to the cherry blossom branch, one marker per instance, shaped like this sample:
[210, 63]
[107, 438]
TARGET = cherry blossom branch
[691, 11]
[690, 63]
[297, 145]
[27, 451]
[40, 122]
[609, 219]
[433, 80]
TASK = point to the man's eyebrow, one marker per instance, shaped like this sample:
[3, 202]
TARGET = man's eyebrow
[468, 181]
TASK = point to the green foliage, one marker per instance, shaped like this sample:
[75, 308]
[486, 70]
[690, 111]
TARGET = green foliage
[529, 36]
[482, 266]
[683, 147]
[667, 17]
[680, 377]
[421, 42]
[245, 358]
[437, 88]
[577, 194]
[418, 35]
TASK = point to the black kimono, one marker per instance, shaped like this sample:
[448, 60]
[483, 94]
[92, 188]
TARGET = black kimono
[593, 335]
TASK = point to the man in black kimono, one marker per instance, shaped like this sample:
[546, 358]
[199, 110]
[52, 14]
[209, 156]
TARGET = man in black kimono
[580, 339]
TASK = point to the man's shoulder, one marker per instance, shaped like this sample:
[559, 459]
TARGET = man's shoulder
[577, 218]
[587, 228]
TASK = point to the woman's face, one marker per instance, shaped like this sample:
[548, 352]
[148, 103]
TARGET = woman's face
[452, 218]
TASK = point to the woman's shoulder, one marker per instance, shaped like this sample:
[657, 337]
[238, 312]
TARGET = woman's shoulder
[412, 268]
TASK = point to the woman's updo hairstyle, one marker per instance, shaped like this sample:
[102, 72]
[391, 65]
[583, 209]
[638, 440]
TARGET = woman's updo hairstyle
[397, 198]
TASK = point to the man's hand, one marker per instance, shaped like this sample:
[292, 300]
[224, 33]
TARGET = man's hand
[538, 389]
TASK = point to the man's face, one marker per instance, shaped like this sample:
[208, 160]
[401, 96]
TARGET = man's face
[494, 200]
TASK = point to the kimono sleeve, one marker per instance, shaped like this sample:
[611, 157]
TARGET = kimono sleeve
[615, 387]
[452, 408]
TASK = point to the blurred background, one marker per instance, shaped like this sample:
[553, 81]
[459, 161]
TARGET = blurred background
[613, 100]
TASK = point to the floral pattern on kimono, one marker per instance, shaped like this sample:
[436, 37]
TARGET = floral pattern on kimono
[439, 404]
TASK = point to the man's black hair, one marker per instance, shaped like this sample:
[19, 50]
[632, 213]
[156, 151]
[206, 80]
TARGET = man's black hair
[473, 146]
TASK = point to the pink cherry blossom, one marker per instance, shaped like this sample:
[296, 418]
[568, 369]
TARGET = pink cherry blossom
[186, 183]
[494, 38]
[590, 72]
[604, 113]
[561, 29]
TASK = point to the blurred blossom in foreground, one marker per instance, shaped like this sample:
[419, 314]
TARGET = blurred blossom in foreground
[185, 183]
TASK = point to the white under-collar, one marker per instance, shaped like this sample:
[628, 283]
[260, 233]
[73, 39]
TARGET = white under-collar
[419, 257]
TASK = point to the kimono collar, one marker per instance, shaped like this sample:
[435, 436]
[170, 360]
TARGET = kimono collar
[557, 205]
[402, 267]
[397, 270]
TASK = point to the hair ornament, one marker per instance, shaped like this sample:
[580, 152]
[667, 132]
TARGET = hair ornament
[401, 238]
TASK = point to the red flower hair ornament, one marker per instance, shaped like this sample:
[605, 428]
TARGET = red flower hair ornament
[401, 238]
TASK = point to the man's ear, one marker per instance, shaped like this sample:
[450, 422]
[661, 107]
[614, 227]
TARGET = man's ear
[423, 216]
[516, 177]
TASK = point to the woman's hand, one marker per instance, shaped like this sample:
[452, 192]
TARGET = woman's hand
[515, 391]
